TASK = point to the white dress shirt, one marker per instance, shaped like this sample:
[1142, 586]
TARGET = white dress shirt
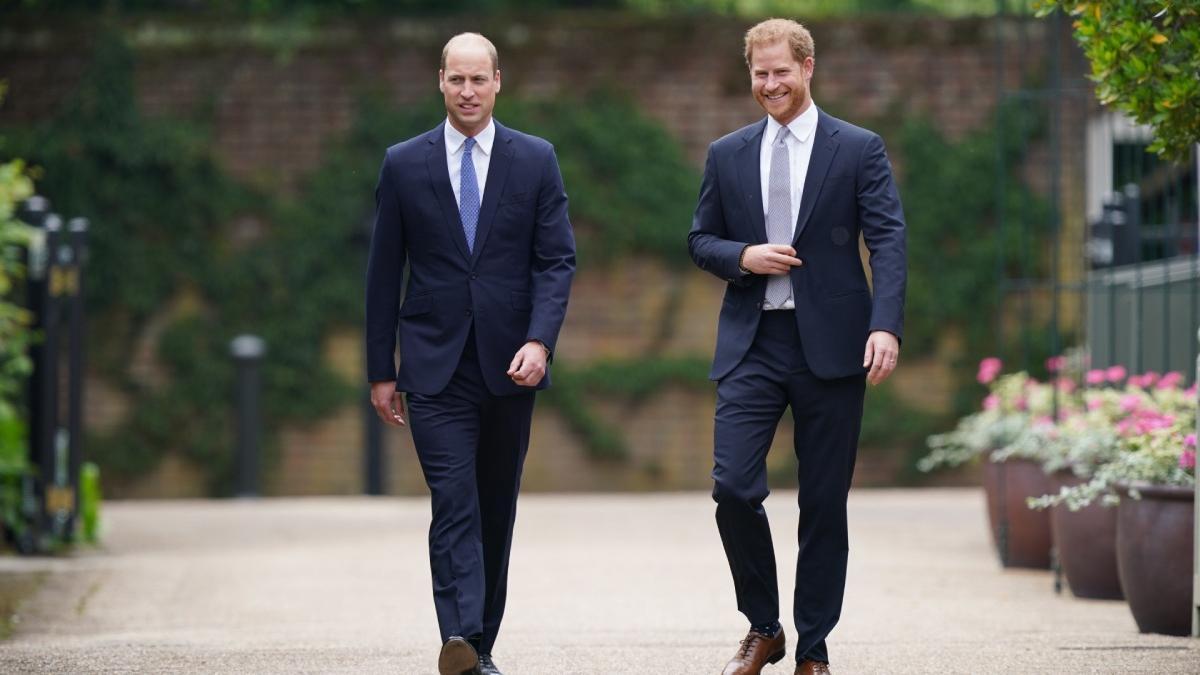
[481, 154]
[800, 145]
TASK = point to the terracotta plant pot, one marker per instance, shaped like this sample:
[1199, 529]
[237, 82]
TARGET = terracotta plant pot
[1021, 535]
[1087, 545]
[1154, 557]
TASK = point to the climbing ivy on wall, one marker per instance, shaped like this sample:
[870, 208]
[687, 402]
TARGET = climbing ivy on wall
[185, 258]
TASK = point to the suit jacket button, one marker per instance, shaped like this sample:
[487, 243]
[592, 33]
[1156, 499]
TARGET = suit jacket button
[468, 312]
[474, 277]
[801, 262]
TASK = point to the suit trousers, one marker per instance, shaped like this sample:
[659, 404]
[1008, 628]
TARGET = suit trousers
[828, 415]
[471, 445]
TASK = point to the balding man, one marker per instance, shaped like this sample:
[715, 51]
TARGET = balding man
[478, 214]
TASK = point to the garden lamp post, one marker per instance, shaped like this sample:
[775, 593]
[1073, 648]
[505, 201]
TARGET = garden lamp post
[248, 351]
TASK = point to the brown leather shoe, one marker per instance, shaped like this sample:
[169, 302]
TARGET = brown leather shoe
[810, 667]
[757, 650]
[458, 657]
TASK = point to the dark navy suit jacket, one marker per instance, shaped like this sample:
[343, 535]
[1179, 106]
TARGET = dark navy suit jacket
[513, 287]
[848, 190]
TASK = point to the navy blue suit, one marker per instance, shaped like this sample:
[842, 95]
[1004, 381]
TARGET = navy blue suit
[810, 358]
[464, 315]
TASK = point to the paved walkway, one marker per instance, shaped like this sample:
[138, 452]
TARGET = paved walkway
[600, 584]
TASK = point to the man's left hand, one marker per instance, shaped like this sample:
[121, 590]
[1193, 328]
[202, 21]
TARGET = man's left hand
[882, 351]
[528, 367]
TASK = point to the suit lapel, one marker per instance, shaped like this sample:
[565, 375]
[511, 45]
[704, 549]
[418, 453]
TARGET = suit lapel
[498, 166]
[439, 175]
[747, 160]
[825, 146]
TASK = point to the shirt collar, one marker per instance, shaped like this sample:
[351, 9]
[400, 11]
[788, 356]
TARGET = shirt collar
[483, 139]
[802, 127]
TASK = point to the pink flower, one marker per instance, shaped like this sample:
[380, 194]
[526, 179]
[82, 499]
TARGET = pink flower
[1115, 373]
[1187, 459]
[1055, 364]
[1095, 377]
[989, 368]
[1095, 403]
[1066, 385]
[1022, 404]
[1126, 426]
[1170, 380]
[991, 402]
[1189, 441]
[1130, 403]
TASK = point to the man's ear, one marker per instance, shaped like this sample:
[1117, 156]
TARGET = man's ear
[497, 81]
[442, 81]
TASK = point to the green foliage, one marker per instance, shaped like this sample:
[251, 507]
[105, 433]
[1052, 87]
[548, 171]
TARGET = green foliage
[15, 334]
[953, 211]
[630, 379]
[89, 503]
[161, 208]
[1145, 57]
[162, 238]
[13, 468]
[15, 338]
[162, 212]
[890, 424]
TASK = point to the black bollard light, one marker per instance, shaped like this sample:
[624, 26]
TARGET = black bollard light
[64, 284]
[248, 351]
[77, 229]
[373, 452]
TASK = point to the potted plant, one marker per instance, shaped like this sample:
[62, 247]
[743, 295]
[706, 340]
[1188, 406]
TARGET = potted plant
[1084, 532]
[1151, 478]
[1021, 535]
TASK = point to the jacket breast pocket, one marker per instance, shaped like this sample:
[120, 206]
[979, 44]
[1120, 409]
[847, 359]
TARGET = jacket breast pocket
[517, 198]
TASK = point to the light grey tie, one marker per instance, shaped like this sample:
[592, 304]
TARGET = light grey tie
[779, 215]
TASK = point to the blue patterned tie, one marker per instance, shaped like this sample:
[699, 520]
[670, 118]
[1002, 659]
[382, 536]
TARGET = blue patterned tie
[468, 190]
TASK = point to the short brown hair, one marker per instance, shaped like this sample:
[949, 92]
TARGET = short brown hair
[774, 30]
[462, 37]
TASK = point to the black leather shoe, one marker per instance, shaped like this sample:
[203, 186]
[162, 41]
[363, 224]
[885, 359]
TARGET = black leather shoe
[487, 667]
[458, 657]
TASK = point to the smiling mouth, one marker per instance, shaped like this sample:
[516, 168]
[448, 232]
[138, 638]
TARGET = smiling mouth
[776, 97]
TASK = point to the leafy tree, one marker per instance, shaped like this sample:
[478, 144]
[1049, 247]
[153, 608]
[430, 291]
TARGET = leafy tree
[1145, 58]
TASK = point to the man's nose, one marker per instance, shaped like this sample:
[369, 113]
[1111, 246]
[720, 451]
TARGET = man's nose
[468, 92]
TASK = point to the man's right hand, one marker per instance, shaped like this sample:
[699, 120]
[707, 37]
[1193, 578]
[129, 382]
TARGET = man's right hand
[773, 259]
[389, 403]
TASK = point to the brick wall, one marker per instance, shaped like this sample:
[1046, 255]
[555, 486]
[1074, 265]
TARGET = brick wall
[276, 109]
